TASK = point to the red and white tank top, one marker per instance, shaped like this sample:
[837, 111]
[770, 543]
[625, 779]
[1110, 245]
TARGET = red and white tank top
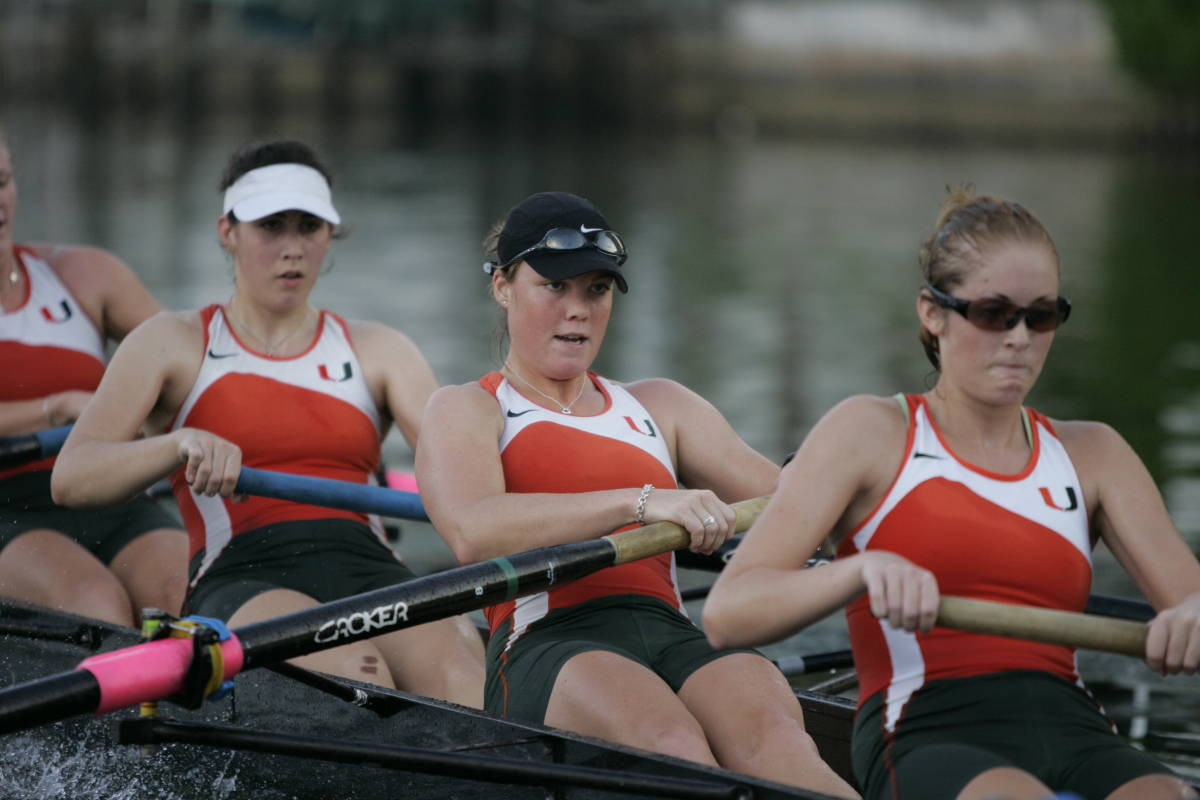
[308, 414]
[48, 344]
[1019, 539]
[542, 450]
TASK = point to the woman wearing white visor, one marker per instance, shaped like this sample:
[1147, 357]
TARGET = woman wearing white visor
[268, 381]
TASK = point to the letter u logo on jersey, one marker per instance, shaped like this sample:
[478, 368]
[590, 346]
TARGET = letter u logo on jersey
[347, 372]
[1072, 501]
[49, 316]
[649, 426]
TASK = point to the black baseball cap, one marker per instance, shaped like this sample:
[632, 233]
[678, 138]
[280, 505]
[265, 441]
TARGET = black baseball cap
[528, 223]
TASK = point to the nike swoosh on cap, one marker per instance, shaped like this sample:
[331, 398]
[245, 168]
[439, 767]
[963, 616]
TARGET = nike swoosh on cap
[586, 229]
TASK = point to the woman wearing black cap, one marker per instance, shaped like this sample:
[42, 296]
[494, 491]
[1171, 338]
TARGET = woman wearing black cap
[544, 452]
[269, 381]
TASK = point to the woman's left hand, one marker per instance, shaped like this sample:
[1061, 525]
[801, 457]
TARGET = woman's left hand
[1173, 641]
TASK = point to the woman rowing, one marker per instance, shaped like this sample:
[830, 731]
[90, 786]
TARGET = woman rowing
[544, 452]
[269, 381]
[59, 305]
[964, 491]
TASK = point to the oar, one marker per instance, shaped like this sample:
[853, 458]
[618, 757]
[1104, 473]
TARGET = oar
[1043, 625]
[26, 447]
[158, 669]
[332, 494]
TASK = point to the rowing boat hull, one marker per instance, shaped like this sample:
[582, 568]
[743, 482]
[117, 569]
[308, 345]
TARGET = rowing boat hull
[78, 758]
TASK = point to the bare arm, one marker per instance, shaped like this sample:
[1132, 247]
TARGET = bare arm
[1128, 512]
[109, 290]
[837, 476]
[398, 374]
[116, 301]
[707, 452]
[463, 487]
[103, 461]
[40, 413]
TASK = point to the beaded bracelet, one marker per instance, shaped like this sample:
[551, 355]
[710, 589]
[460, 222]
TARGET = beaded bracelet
[640, 514]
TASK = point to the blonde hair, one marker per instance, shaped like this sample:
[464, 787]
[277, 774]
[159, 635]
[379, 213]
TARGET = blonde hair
[967, 226]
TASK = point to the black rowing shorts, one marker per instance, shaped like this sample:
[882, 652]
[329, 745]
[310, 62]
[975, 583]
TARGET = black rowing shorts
[326, 559]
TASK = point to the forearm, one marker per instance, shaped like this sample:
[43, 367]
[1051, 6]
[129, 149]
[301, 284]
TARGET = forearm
[23, 416]
[512, 522]
[764, 604]
[100, 473]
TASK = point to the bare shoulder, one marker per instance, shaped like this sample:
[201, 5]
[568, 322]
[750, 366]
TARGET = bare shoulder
[454, 404]
[663, 396]
[865, 417]
[1090, 443]
[169, 330]
[82, 264]
[464, 396]
[370, 336]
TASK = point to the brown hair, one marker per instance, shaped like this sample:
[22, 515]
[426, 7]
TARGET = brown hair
[491, 245]
[968, 225]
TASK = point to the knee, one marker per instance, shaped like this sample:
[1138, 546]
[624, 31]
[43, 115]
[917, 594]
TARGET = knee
[765, 730]
[682, 738]
[100, 598]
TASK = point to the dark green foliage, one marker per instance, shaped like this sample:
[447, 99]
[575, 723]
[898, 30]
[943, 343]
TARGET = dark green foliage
[1159, 42]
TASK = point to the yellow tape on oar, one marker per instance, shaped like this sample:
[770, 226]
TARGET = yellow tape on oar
[663, 537]
[186, 629]
[1066, 628]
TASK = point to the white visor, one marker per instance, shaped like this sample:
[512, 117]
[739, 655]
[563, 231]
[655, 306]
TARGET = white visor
[280, 187]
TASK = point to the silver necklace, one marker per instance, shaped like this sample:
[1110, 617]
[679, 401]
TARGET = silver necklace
[564, 409]
[268, 348]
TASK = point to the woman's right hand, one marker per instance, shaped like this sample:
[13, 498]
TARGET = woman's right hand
[899, 591]
[62, 408]
[691, 509]
[212, 464]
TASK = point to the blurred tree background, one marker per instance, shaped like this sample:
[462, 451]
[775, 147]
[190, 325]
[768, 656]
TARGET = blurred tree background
[1158, 41]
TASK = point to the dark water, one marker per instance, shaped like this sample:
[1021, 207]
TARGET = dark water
[774, 277]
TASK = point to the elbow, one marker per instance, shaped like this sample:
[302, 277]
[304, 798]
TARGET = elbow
[716, 626]
[63, 490]
[465, 551]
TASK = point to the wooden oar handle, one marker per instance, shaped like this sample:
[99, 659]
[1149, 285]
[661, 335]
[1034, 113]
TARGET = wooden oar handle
[1043, 625]
[662, 537]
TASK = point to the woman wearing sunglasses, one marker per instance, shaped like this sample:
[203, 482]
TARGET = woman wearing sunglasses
[964, 491]
[266, 380]
[544, 451]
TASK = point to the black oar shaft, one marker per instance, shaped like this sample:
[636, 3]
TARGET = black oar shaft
[48, 699]
[459, 590]
[25, 447]
[419, 601]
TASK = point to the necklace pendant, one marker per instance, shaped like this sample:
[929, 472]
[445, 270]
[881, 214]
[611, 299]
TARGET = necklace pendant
[566, 411]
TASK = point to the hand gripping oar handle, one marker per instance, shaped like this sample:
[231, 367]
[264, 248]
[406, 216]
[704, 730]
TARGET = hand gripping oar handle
[1043, 625]
[662, 537]
[332, 494]
[26, 447]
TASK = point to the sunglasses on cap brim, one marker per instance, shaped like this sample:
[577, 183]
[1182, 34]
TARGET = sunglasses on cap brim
[567, 239]
[994, 314]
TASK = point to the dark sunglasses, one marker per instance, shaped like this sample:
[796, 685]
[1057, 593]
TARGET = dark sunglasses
[1001, 315]
[565, 239]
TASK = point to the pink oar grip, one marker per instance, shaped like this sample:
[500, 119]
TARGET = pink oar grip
[150, 671]
[404, 481]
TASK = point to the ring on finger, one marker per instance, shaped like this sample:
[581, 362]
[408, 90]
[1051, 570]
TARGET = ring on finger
[708, 521]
